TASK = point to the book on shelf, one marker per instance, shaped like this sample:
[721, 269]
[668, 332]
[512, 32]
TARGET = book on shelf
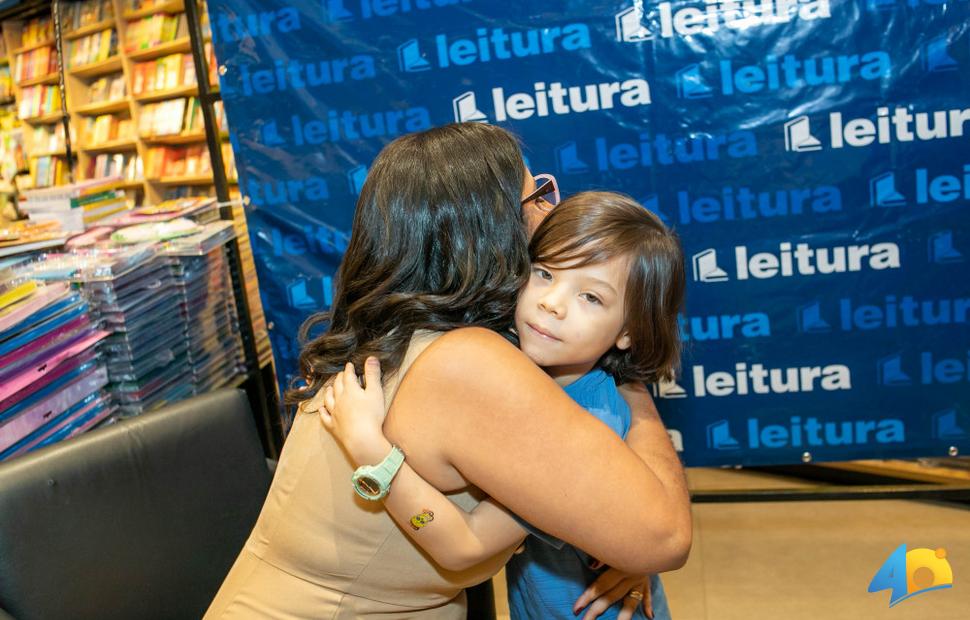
[164, 118]
[6, 83]
[37, 30]
[107, 88]
[76, 15]
[35, 63]
[39, 100]
[177, 161]
[47, 138]
[48, 170]
[92, 48]
[106, 128]
[127, 166]
[153, 30]
[167, 72]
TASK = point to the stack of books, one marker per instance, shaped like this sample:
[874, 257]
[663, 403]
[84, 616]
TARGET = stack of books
[27, 236]
[76, 206]
[92, 48]
[52, 374]
[148, 32]
[163, 73]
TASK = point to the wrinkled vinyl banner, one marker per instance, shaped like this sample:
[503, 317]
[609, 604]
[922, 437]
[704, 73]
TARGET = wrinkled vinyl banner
[813, 155]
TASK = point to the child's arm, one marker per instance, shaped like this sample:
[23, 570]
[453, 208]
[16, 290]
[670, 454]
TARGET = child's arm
[456, 539]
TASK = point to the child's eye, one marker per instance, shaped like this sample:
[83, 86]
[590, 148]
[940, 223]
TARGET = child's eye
[593, 299]
[542, 273]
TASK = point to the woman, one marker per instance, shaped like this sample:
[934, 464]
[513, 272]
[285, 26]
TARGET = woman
[436, 258]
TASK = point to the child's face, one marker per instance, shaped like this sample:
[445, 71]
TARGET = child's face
[568, 318]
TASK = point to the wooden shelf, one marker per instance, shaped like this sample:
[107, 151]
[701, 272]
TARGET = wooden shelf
[184, 138]
[168, 93]
[102, 107]
[44, 119]
[195, 179]
[27, 48]
[177, 6]
[129, 185]
[50, 78]
[89, 29]
[163, 49]
[100, 67]
[121, 144]
[54, 153]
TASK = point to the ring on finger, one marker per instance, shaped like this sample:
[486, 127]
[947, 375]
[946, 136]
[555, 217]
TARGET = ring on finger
[636, 594]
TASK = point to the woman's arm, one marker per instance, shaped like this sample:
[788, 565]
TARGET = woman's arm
[454, 538]
[473, 408]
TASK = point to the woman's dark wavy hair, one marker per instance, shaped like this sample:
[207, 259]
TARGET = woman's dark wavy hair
[437, 244]
[592, 227]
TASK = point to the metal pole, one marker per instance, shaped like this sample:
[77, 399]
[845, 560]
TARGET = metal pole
[266, 412]
[65, 120]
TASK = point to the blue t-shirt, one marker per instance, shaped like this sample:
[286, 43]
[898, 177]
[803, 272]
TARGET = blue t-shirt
[548, 576]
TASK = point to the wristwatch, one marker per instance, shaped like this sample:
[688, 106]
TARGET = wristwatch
[373, 482]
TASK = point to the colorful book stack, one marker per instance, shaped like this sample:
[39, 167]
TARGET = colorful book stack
[76, 206]
[27, 236]
[52, 374]
[133, 293]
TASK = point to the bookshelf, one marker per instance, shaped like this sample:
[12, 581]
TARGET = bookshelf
[131, 95]
[125, 60]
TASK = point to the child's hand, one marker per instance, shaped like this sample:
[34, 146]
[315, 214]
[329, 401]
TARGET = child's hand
[610, 587]
[354, 415]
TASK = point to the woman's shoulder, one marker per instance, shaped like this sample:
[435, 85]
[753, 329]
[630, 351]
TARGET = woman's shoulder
[471, 352]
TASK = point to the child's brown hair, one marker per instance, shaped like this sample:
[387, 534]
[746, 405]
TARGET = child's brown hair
[591, 227]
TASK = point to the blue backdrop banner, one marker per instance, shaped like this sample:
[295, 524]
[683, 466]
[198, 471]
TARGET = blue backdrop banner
[813, 155]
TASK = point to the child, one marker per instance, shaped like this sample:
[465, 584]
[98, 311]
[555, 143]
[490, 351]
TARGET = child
[599, 309]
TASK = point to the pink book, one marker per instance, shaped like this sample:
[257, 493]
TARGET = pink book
[41, 367]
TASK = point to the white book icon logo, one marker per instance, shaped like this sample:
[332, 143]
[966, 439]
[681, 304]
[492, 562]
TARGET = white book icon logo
[668, 389]
[629, 28]
[798, 136]
[466, 109]
[706, 269]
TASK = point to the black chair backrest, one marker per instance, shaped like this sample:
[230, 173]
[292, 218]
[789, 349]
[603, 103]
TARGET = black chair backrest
[139, 520]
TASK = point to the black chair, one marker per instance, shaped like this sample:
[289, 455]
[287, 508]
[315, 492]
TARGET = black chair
[139, 520]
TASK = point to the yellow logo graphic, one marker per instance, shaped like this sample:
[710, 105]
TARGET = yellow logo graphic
[420, 520]
[910, 573]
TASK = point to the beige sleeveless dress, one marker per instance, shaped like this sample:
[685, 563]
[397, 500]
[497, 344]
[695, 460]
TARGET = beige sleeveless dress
[320, 551]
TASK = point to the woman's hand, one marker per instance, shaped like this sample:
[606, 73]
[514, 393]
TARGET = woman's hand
[610, 587]
[354, 415]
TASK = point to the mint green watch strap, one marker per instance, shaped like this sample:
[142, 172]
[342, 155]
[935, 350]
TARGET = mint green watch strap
[373, 482]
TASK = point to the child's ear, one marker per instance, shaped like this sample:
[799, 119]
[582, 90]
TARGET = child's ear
[623, 341]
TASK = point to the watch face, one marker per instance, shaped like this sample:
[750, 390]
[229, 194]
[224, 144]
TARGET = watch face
[369, 486]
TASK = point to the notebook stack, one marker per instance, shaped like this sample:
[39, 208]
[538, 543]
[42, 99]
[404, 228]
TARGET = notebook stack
[78, 205]
[53, 376]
